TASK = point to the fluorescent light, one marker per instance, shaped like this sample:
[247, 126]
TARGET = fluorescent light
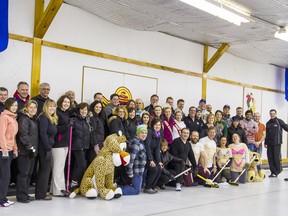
[217, 11]
[282, 34]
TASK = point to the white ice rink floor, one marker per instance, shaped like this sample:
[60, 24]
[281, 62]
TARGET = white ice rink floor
[269, 197]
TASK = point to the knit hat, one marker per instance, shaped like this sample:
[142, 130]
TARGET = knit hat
[141, 128]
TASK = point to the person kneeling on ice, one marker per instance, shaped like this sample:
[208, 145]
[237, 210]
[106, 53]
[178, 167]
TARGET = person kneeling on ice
[200, 157]
[240, 154]
[135, 168]
[223, 154]
[171, 166]
[181, 148]
[209, 146]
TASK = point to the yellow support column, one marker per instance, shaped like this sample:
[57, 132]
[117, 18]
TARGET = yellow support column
[36, 66]
[204, 75]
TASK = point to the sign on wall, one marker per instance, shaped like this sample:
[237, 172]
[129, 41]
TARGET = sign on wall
[107, 82]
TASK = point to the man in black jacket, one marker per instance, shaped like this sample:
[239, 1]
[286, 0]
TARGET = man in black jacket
[153, 102]
[192, 122]
[273, 141]
[44, 90]
[181, 148]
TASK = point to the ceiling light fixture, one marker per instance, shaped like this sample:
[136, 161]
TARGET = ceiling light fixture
[282, 33]
[219, 11]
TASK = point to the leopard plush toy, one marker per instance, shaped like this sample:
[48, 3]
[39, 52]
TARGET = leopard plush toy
[99, 176]
[253, 174]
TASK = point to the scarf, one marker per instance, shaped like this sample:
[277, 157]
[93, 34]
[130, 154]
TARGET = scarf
[17, 96]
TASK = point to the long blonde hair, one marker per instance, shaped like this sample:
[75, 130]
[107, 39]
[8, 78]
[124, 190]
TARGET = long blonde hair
[53, 118]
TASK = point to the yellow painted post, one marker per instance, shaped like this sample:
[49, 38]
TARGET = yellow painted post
[39, 10]
[36, 66]
[204, 74]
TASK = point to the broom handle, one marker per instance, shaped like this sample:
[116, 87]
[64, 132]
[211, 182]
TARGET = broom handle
[244, 169]
[182, 172]
[69, 158]
[221, 170]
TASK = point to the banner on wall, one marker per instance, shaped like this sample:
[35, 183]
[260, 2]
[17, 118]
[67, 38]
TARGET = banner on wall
[252, 100]
[286, 84]
[3, 25]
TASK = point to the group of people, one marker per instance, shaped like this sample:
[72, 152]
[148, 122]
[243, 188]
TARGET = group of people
[162, 141]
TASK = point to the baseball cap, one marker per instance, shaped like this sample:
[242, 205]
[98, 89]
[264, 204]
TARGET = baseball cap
[202, 101]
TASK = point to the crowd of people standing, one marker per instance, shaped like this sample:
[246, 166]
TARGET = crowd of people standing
[162, 141]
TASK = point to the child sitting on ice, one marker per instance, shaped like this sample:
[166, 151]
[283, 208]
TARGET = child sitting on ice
[171, 166]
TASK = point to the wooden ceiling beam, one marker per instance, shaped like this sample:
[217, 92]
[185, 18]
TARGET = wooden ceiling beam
[46, 18]
[217, 55]
[39, 10]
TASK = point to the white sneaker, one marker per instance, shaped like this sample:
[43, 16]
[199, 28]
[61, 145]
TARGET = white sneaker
[178, 187]
[10, 202]
[5, 204]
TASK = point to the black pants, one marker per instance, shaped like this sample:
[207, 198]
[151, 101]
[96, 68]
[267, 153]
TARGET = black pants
[4, 176]
[164, 179]
[79, 165]
[90, 156]
[25, 170]
[274, 158]
[14, 171]
[177, 167]
[153, 174]
[43, 174]
[35, 170]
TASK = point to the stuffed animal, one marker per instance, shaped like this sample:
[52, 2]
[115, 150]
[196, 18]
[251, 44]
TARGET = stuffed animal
[253, 174]
[99, 176]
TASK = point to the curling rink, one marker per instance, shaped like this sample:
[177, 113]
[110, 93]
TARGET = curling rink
[269, 197]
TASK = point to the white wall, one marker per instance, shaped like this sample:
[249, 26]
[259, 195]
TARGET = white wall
[247, 72]
[15, 64]
[21, 17]
[74, 27]
[88, 31]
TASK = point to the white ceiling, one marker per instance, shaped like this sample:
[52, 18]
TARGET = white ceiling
[254, 41]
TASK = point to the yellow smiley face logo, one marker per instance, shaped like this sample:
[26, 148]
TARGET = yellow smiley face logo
[124, 95]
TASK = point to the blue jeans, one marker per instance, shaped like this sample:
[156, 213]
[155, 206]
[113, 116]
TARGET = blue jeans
[251, 147]
[259, 150]
[135, 188]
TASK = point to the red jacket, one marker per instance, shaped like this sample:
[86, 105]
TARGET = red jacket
[8, 131]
